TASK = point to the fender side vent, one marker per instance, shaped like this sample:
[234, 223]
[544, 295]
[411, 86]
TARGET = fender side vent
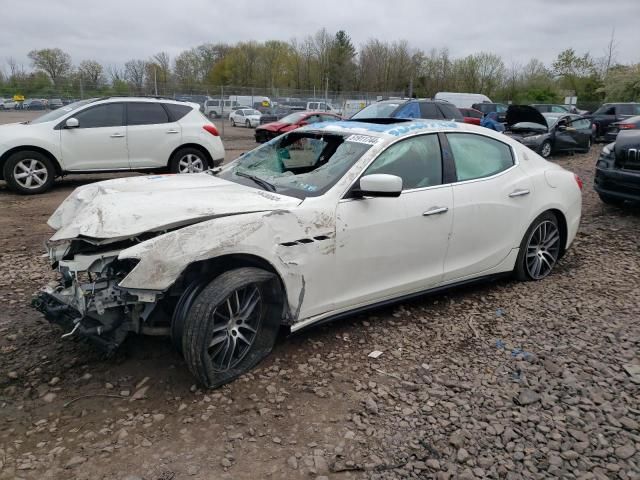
[302, 241]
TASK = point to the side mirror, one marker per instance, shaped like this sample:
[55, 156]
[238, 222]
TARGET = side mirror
[71, 123]
[562, 128]
[379, 185]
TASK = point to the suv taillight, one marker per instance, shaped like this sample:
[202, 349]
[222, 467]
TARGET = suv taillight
[212, 130]
[578, 181]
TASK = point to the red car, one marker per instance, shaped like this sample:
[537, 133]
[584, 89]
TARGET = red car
[266, 132]
[471, 115]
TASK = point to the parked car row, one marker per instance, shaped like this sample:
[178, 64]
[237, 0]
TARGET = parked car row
[33, 103]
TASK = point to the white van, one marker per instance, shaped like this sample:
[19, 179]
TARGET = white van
[462, 100]
[322, 107]
[217, 108]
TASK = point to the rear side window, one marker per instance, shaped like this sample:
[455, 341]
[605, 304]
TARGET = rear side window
[476, 156]
[416, 160]
[450, 112]
[105, 115]
[176, 112]
[410, 110]
[430, 110]
[146, 113]
[626, 110]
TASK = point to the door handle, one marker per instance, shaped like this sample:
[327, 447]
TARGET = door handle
[519, 193]
[435, 211]
[117, 135]
[173, 131]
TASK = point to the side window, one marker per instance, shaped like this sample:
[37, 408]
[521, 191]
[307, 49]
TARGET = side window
[410, 110]
[105, 115]
[450, 112]
[625, 109]
[313, 119]
[416, 160]
[608, 111]
[477, 156]
[581, 124]
[240, 112]
[328, 118]
[176, 112]
[557, 109]
[146, 113]
[429, 110]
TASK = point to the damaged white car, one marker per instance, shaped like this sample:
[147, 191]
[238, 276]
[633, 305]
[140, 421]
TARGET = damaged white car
[318, 223]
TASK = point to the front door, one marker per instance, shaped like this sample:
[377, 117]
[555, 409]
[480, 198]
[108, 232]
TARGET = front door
[99, 142]
[151, 137]
[389, 247]
[492, 202]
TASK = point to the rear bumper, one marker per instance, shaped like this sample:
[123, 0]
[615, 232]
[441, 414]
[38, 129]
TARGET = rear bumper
[622, 184]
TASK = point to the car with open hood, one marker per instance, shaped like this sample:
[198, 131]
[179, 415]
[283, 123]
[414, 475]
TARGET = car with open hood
[319, 223]
[268, 131]
[617, 178]
[548, 133]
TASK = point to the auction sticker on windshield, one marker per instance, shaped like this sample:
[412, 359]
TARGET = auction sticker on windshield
[366, 139]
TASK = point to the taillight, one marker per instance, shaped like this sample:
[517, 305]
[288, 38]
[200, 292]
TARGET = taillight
[212, 130]
[626, 126]
[578, 181]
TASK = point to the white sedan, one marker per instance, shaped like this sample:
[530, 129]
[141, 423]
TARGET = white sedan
[113, 134]
[247, 117]
[322, 222]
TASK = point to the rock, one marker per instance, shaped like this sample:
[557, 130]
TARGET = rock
[625, 451]
[139, 394]
[371, 405]
[320, 464]
[462, 455]
[629, 423]
[158, 417]
[225, 462]
[194, 469]
[456, 439]
[50, 397]
[12, 375]
[54, 381]
[292, 462]
[433, 463]
[109, 386]
[75, 461]
[527, 397]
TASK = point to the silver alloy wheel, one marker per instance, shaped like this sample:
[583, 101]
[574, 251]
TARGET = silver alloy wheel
[30, 173]
[546, 149]
[235, 325]
[543, 248]
[190, 163]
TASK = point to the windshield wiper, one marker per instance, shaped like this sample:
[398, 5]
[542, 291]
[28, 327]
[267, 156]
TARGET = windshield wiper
[259, 181]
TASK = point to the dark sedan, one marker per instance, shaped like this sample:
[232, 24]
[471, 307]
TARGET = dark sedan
[550, 132]
[486, 107]
[618, 170]
[631, 123]
[35, 105]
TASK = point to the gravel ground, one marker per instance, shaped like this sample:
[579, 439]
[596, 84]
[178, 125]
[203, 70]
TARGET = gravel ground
[497, 380]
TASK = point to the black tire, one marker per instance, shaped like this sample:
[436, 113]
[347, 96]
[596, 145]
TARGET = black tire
[545, 149]
[610, 200]
[233, 123]
[40, 168]
[207, 333]
[247, 124]
[188, 154]
[548, 257]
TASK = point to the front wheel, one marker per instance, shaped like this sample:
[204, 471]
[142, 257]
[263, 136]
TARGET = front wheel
[539, 249]
[247, 124]
[188, 160]
[545, 149]
[29, 172]
[232, 325]
[233, 123]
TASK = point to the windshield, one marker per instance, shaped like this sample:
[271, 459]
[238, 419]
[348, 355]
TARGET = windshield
[377, 110]
[293, 118]
[551, 121]
[61, 112]
[300, 164]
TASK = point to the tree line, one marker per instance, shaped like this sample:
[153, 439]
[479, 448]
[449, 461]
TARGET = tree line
[326, 61]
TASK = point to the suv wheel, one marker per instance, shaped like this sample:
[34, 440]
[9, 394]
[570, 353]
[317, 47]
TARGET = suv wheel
[29, 172]
[188, 160]
[232, 325]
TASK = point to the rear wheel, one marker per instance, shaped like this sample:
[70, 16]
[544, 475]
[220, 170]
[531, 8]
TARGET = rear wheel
[247, 124]
[188, 160]
[29, 172]
[545, 149]
[233, 123]
[231, 325]
[539, 249]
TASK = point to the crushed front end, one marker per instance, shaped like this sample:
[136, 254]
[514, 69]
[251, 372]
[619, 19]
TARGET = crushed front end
[87, 300]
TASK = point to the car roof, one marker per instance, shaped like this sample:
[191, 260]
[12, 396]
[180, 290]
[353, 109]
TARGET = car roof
[142, 99]
[398, 129]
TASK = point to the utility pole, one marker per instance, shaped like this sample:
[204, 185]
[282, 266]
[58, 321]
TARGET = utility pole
[326, 91]
[155, 80]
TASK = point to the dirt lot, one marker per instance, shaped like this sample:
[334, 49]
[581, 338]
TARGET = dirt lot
[499, 380]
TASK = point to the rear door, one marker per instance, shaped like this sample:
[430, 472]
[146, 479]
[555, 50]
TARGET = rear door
[99, 142]
[152, 137]
[492, 203]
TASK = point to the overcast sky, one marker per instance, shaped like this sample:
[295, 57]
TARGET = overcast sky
[115, 31]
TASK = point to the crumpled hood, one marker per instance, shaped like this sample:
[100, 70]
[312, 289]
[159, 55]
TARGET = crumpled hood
[130, 206]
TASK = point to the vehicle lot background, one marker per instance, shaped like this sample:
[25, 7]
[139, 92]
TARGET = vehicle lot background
[450, 393]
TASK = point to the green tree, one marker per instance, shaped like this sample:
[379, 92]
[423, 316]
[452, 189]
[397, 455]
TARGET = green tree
[91, 74]
[53, 61]
[342, 68]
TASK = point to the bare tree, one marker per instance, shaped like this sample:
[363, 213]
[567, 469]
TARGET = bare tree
[116, 74]
[610, 52]
[53, 61]
[135, 73]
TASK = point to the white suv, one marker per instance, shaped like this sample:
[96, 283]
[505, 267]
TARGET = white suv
[108, 135]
